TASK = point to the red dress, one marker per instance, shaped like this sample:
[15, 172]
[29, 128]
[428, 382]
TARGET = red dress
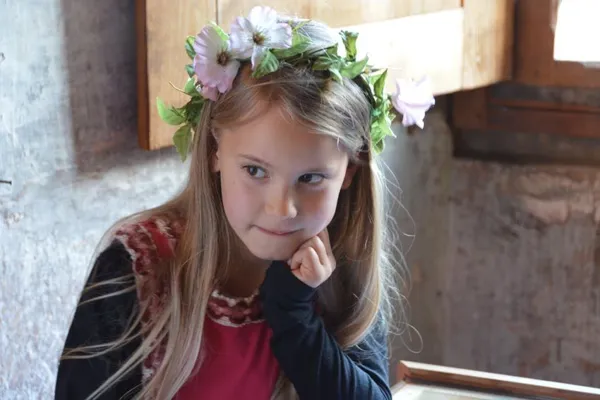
[237, 361]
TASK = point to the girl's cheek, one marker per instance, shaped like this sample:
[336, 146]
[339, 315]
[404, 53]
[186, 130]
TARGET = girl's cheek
[322, 210]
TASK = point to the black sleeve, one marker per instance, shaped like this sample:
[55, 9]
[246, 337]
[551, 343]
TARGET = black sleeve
[99, 322]
[309, 356]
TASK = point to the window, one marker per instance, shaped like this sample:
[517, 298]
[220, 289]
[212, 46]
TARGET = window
[577, 32]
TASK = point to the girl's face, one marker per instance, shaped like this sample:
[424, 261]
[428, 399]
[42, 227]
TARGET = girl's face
[280, 183]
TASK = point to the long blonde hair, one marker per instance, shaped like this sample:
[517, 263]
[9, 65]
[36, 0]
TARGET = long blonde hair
[357, 294]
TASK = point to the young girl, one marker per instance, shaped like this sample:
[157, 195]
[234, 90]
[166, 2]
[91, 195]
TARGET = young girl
[267, 276]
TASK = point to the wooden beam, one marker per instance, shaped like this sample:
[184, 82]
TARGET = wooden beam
[566, 123]
[440, 57]
[427, 374]
[338, 12]
[162, 26]
[488, 42]
[524, 109]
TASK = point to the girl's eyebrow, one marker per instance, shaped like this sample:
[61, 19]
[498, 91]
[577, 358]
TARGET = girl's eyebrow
[256, 160]
[324, 169]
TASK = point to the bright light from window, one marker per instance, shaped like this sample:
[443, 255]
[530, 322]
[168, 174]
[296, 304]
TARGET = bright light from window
[577, 35]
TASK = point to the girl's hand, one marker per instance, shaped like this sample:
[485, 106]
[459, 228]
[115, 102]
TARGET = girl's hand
[313, 262]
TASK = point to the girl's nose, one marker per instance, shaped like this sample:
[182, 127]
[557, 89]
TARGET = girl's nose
[280, 203]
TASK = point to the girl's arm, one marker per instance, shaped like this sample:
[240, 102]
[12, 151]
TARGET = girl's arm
[309, 356]
[100, 322]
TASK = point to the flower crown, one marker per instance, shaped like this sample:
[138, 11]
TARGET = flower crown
[267, 42]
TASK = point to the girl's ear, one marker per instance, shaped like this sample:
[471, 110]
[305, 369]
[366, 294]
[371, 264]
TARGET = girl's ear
[350, 172]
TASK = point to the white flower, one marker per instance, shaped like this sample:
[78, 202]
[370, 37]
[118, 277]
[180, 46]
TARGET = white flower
[251, 37]
[214, 63]
[413, 99]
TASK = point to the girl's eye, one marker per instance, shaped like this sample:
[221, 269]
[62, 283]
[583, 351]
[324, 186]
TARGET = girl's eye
[312, 179]
[255, 172]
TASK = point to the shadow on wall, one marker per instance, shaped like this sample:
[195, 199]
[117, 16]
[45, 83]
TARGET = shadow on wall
[100, 53]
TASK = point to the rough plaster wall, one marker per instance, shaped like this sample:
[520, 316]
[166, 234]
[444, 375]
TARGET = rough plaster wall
[523, 286]
[421, 165]
[505, 264]
[68, 143]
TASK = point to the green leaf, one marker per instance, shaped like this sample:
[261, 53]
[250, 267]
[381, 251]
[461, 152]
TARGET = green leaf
[268, 64]
[193, 110]
[349, 39]
[377, 146]
[170, 115]
[322, 64]
[379, 130]
[190, 87]
[299, 45]
[332, 51]
[379, 84]
[189, 47]
[222, 34]
[336, 75]
[189, 68]
[195, 119]
[381, 121]
[182, 139]
[352, 70]
[327, 62]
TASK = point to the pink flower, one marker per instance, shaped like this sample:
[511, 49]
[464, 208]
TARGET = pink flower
[208, 92]
[251, 37]
[214, 63]
[413, 99]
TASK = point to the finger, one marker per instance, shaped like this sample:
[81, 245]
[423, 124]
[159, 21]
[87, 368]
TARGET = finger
[312, 262]
[307, 258]
[317, 244]
[309, 270]
[324, 236]
[314, 272]
[295, 261]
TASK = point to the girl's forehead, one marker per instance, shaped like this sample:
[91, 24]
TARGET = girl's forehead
[276, 138]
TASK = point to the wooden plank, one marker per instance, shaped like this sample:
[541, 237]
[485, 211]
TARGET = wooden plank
[143, 118]
[477, 380]
[528, 109]
[415, 391]
[162, 27]
[488, 42]
[474, 110]
[437, 56]
[534, 57]
[566, 123]
[337, 13]
[525, 148]
[544, 105]
[547, 97]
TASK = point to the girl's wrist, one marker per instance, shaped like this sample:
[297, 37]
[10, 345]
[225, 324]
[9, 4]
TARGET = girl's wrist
[281, 283]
